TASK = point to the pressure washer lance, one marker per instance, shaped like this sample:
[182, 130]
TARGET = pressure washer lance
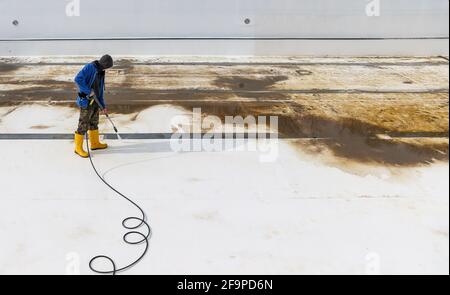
[107, 116]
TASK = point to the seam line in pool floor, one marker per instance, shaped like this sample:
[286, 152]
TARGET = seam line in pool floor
[143, 136]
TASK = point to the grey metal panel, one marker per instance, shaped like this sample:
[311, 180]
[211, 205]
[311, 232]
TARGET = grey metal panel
[224, 18]
[412, 27]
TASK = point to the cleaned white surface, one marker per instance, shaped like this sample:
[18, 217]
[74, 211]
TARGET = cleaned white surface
[213, 213]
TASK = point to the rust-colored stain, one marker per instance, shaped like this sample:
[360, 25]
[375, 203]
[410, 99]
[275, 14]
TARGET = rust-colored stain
[357, 141]
[347, 138]
[40, 127]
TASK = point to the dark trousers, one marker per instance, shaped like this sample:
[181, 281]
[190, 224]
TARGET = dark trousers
[89, 119]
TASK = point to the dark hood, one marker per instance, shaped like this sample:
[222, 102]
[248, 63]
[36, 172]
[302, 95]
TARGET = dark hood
[106, 62]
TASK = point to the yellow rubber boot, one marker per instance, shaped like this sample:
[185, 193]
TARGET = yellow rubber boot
[94, 138]
[79, 146]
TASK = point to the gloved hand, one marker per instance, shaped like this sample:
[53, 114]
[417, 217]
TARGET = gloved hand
[82, 95]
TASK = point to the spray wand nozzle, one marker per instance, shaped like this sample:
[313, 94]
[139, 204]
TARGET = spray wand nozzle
[107, 116]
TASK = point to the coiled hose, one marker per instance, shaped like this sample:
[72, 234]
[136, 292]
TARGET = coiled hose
[132, 229]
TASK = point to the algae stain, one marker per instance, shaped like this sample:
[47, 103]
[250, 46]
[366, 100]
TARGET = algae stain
[242, 83]
[40, 127]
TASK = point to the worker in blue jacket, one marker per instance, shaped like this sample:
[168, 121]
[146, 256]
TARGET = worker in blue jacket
[91, 82]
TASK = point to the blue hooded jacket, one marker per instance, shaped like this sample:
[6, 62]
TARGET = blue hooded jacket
[85, 80]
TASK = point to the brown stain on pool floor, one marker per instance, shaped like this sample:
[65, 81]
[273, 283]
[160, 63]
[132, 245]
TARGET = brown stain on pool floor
[411, 143]
[8, 67]
[40, 127]
[349, 139]
[346, 138]
[243, 83]
[402, 129]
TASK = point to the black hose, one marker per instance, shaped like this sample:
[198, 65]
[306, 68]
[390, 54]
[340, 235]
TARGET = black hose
[125, 223]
